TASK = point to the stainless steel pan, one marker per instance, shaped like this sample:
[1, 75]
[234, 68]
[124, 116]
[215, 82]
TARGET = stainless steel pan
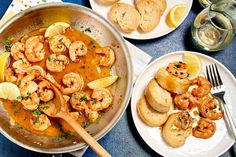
[80, 18]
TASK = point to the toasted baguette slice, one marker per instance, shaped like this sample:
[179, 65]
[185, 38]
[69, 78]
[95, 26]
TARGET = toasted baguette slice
[150, 116]
[162, 4]
[157, 97]
[108, 2]
[150, 13]
[172, 83]
[125, 16]
[172, 135]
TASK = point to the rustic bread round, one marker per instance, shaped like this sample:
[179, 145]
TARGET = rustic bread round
[150, 116]
[150, 13]
[125, 16]
[108, 2]
[173, 136]
[157, 97]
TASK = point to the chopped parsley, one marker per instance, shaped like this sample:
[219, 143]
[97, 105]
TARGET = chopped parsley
[28, 95]
[8, 43]
[91, 42]
[59, 126]
[94, 102]
[49, 58]
[111, 105]
[19, 97]
[36, 120]
[85, 124]
[37, 112]
[84, 98]
[14, 103]
[88, 30]
[16, 111]
[18, 126]
[45, 107]
[25, 118]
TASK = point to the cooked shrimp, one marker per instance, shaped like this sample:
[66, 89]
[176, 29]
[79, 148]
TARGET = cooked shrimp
[59, 43]
[10, 75]
[40, 122]
[28, 78]
[77, 49]
[45, 91]
[36, 69]
[208, 109]
[17, 50]
[29, 88]
[34, 48]
[56, 63]
[21, 66]
[102, 98]
[79, 100]
[204, 87]
[109, 55]
[31, 102]
[50, 78]
[73, 81]
[205, 128]
[178, 69]
[91, 115]
[184, 101]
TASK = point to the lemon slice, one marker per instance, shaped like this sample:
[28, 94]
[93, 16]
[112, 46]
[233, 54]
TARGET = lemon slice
[102, 82]
[175, 15]
[9, 91]
[4, 60]
[194, 65]
[56, 28]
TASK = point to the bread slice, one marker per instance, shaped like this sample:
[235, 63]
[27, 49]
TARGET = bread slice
[162, 4]
[150, 13]
[108, 2]
[125, 16]
[157, 97]
[150, 116]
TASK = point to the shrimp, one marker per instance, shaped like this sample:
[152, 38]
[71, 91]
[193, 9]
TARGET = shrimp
[59, 43]
[183, 101]
[91, 115]
[10, 75]
[31, 102]
[56, 63]
[102, 98]
[76, 49]
[73, 81]
[45, 91]
[79, 100]
[204, 87]
[37, 70]
[208, 109]
[21, 66]
[34, 48]
[109, 56]
[205, 128]
[29, 88]
[17, 50]
[50, 78]
[27, 78]
[178, 69]
[40, 122]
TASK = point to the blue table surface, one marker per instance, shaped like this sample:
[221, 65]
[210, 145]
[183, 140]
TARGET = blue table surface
[123, 139]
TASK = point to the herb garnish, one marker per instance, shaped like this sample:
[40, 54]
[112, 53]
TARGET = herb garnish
[88, 30]
[84, 98]
[36, 120]
[94, 102]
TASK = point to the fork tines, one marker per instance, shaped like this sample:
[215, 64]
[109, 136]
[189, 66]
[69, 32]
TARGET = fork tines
[213, 75]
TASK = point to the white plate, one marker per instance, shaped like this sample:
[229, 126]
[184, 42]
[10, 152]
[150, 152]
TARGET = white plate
[160, 30]
[194, 147]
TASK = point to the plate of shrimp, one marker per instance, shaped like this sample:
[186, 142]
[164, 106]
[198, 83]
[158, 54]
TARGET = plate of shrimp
[69, 60]
[177, 116]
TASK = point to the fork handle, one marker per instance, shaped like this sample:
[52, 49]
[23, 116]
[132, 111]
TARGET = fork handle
[229, 119]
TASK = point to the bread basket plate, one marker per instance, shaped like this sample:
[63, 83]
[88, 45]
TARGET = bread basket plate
[160, 30]
[220, 142]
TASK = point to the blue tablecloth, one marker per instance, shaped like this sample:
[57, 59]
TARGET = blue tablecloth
[124, 140]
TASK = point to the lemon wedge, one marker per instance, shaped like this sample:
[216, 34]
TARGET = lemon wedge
[102, 82]
[9, 91]
[175, 15]
[194, 65]
[4, 60]
[56, 28]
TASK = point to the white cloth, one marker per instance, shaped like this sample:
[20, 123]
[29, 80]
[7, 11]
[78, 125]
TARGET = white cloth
[139, 58]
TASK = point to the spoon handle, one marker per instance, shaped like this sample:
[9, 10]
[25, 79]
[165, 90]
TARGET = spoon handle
[86, 137]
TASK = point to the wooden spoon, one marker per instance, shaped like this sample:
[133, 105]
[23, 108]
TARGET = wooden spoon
[58, 108]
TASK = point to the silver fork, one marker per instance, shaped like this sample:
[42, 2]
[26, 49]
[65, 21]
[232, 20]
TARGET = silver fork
[218, 91]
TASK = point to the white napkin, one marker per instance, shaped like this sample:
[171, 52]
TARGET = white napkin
[139, 58]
